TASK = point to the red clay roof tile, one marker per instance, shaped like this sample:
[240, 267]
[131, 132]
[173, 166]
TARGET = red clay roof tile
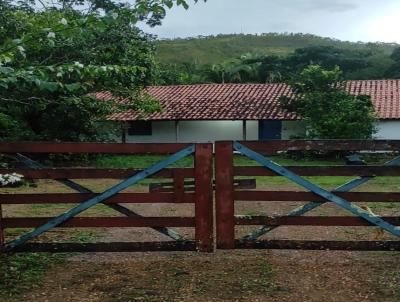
[250, 101]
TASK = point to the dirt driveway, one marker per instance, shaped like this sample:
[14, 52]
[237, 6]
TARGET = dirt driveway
[224, 276]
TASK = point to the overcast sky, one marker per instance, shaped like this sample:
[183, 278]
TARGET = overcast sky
[353, 20]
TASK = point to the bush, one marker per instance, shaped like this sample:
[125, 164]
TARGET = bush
[11, 180]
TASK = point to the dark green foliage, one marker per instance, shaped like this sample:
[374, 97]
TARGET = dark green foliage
[52, 60]
[272, 57]
[171, 74]
[328, 111]
[328, 57]
[272, 68]
[394, 70]
[55, 55]
[216, 49]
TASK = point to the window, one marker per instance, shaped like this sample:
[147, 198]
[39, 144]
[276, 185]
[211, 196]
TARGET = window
[140, 128]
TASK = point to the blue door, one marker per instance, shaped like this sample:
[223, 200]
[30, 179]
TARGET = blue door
[269, 129]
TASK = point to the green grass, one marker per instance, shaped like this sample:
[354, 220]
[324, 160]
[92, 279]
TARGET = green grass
[144, 161]
[137, 161]
[85, 235]
[23, 272]
[329, 182]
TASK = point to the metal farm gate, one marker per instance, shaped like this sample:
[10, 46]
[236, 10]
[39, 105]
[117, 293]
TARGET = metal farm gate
[194, 185]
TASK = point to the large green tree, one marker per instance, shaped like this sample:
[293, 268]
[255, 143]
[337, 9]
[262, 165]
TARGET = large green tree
[394, 70]
[55, 55]
[320, 98]
[261, 68]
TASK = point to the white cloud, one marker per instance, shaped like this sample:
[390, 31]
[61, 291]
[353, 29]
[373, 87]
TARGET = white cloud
[324, 5]
[342, 19]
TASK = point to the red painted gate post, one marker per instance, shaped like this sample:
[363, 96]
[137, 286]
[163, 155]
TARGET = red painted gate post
[204, 198]
[224, 206]
[2, 240]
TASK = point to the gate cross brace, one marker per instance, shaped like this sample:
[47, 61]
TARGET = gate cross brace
[81, 189]
[312, 205]
[378, 221]
[99, 198]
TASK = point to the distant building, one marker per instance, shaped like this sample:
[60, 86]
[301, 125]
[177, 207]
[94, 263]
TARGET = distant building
[210, 112]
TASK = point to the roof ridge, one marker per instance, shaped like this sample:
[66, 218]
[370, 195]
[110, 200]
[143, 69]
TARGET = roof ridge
[261, 84]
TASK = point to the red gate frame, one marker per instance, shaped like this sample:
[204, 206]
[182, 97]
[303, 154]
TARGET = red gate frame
[202, 197]
[225, 171]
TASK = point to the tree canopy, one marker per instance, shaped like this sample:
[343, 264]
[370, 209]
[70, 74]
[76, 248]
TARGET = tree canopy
[55, 55]
[329, 112]
[356, 64]
[394, 70]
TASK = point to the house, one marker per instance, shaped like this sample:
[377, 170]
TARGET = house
[211, 112]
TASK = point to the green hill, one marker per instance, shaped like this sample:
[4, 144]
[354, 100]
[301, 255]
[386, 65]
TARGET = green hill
[215, 49]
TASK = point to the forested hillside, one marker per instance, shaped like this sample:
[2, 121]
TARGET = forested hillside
[270, 58]
[215, 49]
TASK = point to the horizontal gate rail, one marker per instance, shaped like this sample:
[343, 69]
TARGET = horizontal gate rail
[323, 171]
[191, 246]
[309, 220]
[54, 198]
[274, 146]
[94, 148]
[319, 245]
[166, 246]
[94, 222]
[93, 173]
[309, 196]
[189, 185]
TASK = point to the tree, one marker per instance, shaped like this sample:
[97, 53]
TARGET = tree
[394, 70]
[328, 57]
[172, 74]
[269, 69]
[329, 112]
[55, 55]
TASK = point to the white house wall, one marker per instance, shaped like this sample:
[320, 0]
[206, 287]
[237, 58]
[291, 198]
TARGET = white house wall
[210, 131]
[388, 130]
[252, 130]
[163, 132]
[197, 131]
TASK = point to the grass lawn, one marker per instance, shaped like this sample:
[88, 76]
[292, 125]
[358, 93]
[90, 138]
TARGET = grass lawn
[328, 182]
[23, 272]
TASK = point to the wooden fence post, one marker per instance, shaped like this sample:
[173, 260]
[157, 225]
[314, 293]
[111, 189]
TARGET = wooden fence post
[224, 206]
[2, 239]
[204, 198]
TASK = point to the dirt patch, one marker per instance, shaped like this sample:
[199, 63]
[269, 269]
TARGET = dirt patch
[225, 276]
